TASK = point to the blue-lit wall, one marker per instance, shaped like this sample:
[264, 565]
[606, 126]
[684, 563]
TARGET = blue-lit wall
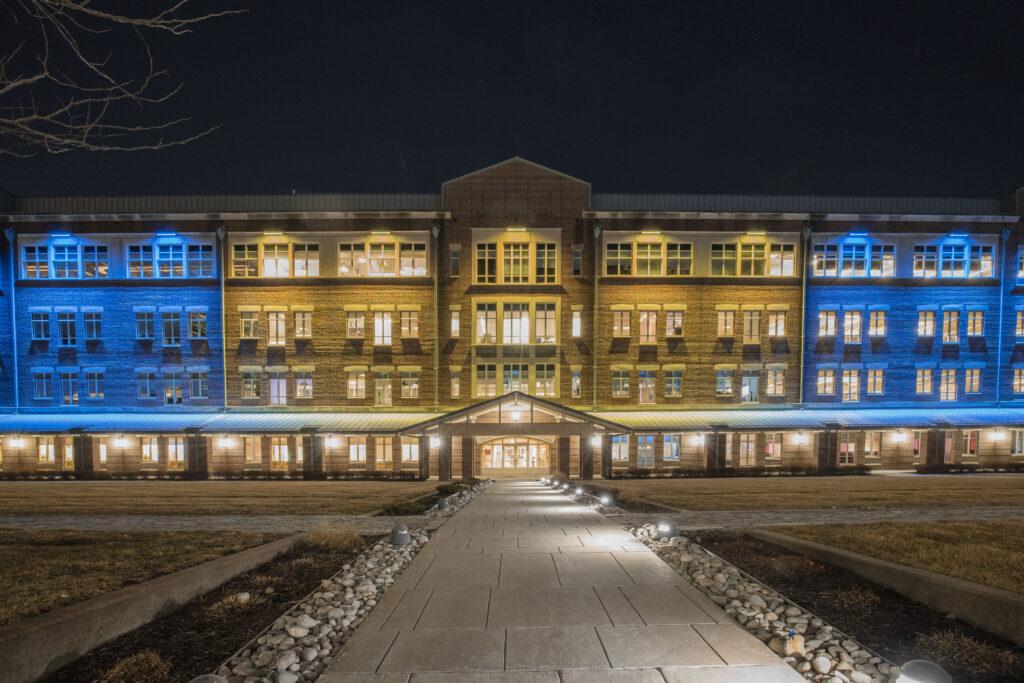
[1013, 346]
[6, 331]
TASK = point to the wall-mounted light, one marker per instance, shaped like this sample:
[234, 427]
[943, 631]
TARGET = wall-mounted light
[899, 437]
[595, 440]
[169, 234]
[801, 439]
[998, 435]
[16, 442]
[435, 441]
[697, 440]
[755, 232]
[120, 442]
[517, 228]
[272, 233]
[331, 442]
[651, 231]
[380, 232]
[225, 442]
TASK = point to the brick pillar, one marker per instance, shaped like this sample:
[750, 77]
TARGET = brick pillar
[313, 457]
[83, 456]
[563, 456]
[197, 456]
[828, 450]
[371, 453]
[265, 463]
[396, 455]
[659, 452]
[586, 456]
[935, 451]
[606, 456]
[468, 454]
[714, 450]
[424, 457]
[444, 459]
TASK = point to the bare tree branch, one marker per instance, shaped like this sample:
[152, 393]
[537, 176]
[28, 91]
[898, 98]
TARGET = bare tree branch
[63, 88]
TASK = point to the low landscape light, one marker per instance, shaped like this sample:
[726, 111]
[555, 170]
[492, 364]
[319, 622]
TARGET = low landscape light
[923, 671]
[543, 480]
[579, 490]
[605, 499]
[443, 505]
[565, 487]
[400, 534]
[666, 529]
[16, 442]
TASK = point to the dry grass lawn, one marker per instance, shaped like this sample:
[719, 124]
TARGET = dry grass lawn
[203, 497]
[809, 493]
[44, 570]
[989, 552]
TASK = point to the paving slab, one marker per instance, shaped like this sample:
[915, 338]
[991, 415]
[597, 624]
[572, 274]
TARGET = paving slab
[559, 648]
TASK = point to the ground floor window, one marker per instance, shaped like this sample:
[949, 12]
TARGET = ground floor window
[673, 446]
[45, 450]
[410, 450]
[150, 449]
[773, 445]
[252, 450]
[971, 438]
[645, 450]
[748, 453]
[176, 452]
[1017, 442]
[847, 448]
[357, 449]
[279, 451]
[516, 452]
[873, 444]
[620, 448]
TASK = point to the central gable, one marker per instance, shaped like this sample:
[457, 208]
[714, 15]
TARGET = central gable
[515, 189]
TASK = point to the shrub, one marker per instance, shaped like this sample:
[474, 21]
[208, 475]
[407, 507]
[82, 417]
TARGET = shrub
[405, 507]
[146, 665]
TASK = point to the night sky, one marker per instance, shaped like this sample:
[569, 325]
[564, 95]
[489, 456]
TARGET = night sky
[895, 98]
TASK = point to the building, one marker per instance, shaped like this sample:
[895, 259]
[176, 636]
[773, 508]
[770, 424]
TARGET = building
[514, 323]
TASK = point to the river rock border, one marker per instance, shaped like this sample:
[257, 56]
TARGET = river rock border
[818, 651]
[459, 500]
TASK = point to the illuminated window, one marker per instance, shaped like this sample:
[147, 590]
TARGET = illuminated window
[726, 323]
[355, 327]
[170, 260]
[851, 386]
[645, 450]
[852, 327]
[679, 259]
[577, 323]
[45, 446]
[382, 260]
[975, 323]
[36, 263]
[65, 262]
[303, 384]
[854, 260]
[544, 384]
[675, 323]
[923, 383]
[410, 450]
[776, 382]
[749, 381]
[275, 260]
[382, 390]
[751, 327]
[648, 259]
[140, 260]
[413, 259]
[150, 449]
[94, 385]
[174, 388]
[826, 382]
[620, 383]
[486, 323]
[1018, 380]
[971, 437]
[357, 449]
[648, 327]
[877, 323]
[883, 260]
[972, 381]
[487, 263]
[410, 324]
[723, 382]
[95, 262]
[176, 452]
[197, 325]
[200, 260]
[454, 325]
[826, 323]
[620, 447]
[618, 258]
[953, 260]
[748, 449]
[876, 382]
[620, 323]
[275, 328]
[409, 382]
[926, 323]
[645, 386]
[926, 260]
[575, 382]
[250, 384]
[454, 384]
[1017, 442]
[672, 446]
[847, 448]
[776, 323]
[547, 263]
[825, 260]
[279, 450]
[781, 260]
[752, 259]
[981, 261]
[356, 384]
[950, 327]
[515, 377]
[245, 260]
[545, 323]
[352, 259]
[773, 445]
[486, 380]
[673, 383]
[146, 384]
[69, 388]
[515, 323]
[306, 260]
[947, 384]
[170, 328]
[382, 328]
[516, 263]
[303, 324]
[199, 384]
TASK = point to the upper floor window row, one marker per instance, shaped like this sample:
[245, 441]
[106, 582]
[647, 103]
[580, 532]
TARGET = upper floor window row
[676, 259]
[93, 261]
[516, 263]
[355, 259]
[943, 260]
[853, 260]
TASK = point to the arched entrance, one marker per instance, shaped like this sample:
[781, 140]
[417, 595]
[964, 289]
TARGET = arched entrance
[515, 455]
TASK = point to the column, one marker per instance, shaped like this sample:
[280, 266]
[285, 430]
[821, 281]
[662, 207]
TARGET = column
[714, 450]
[424, 457]
[468, 455]
[197, 456]
[371, 454]
[659, 452]
[444, 458]
[606, 456]
[83, 456]
[936, 450]
[396, 455]
[586, 456]
[828, 450]
[563, 456]
[313, 457]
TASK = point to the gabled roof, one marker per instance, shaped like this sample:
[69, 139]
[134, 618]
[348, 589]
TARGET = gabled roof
[518, 397]
[511, 161]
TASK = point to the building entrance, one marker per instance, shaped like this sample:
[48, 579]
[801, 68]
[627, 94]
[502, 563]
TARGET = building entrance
[515, 455]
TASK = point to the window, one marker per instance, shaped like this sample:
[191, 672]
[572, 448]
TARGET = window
[872, 444]
[410, 324]
[303, 324]
[67, 329]
[279, 450]
[357, 449]
[410, 450]
[170, 328]
[883, 260]
[278, 386]
[487, 263]
[306, 260]
[94, 385]
[773, 445]
[726, 323]
[975, 323]
[454, 326]
[303, 384]
[575, 382]
[355, 327]
[851, 327]
[673, 383]
[454, 384]
[723, 382]
[877, 323]
[723, 259]
[65, 262]
[971, 437]
[174, 387]
[751, 327]
[515, 377]
[412, 259]
[1017, 442]
[825, 260]
[781, 260]
[487, 323]
[546, 326]
[645, 450]
[547, 263]
[748, 386]
[516, 323]
[645, 385]
[382, 328]
[577, 260]
[517, 263]
[618, 258]
[199, 384]
[926, 323]
[924, 381]
[197, 325]
[1018, 380]
[454, 260]
[752, 257]
[776, 382]
[351, 260]
[776, 323]
[826, 323]
[620, 383]
[926, 260]
[620, 447]
[41, 326]
[176, 452]
[981, 261]
[674, 323]
[847, 448]
[251, 384]
[356, 384]
[36, 261]
[950, 327]
[672, 447]
[486, 381]
[69, 388]
[200, 260]
[150, 449]
[146, 384]
[679, 259]
[382, 390]
[972, 381]
[41, 381]
[648, 259]
[826, 382]
[382, 260]
[250, 324]
[577, 324]
[648, 327]
[275, 260]
[45, 446]
[245, 260]
[851, 386]
[855, 260]
[410, 384]
[947, 384]
[620, 323]
[544, 379]
[953, 261]
[170, 260]
[95, 262]
[748, 449]
[876, 381]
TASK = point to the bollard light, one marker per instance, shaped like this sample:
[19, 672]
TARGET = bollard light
[666, 530]
[400, 535]
[923, 671]
[565, 487]
[579, 490]
[443, 505]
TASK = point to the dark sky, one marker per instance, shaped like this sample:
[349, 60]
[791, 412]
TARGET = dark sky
[904, 98]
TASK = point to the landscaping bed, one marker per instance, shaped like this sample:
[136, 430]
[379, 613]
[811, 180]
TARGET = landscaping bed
[893, 626]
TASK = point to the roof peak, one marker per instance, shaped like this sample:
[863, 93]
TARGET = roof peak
[516, 159]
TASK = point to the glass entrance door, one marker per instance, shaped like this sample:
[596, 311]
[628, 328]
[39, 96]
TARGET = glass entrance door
[515, 453]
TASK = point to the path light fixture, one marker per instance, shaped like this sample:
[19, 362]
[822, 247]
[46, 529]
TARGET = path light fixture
[565, 487]
[605, 499]
[579, 490]
[543, 480]
[400, 534]
[443, 505]
[16, 442]
[666, 530]
[923, 671]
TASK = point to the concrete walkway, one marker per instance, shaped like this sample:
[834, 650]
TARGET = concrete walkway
[525, 585]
